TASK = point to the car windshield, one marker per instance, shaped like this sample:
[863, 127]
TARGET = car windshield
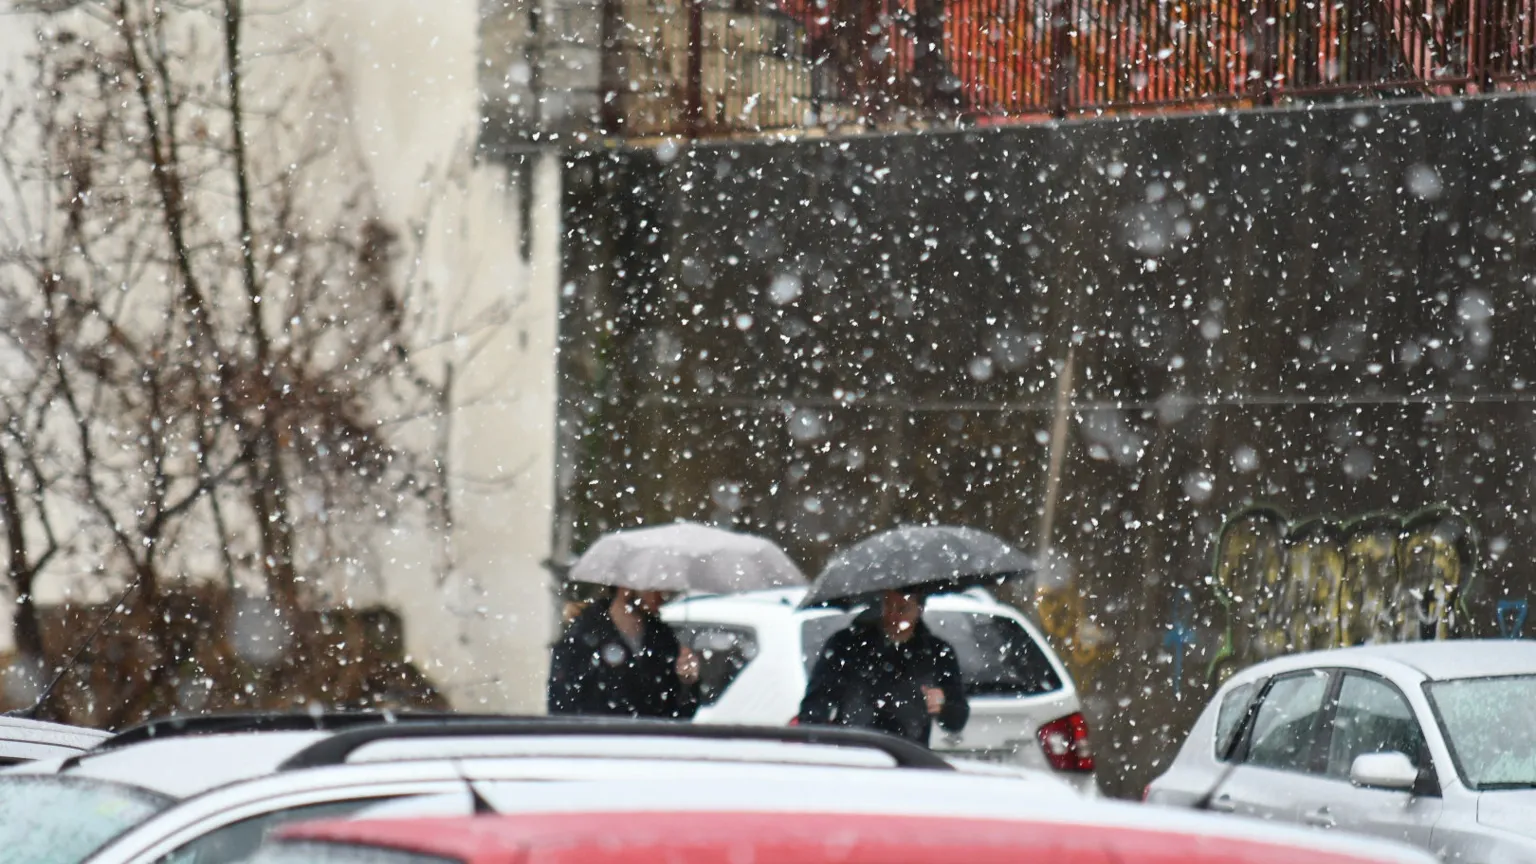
[997, 656]
[60, 820]
[306, 852]
[1487, 726]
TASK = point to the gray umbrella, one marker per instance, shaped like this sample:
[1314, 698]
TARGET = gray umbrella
[918, 558]
[686, 556]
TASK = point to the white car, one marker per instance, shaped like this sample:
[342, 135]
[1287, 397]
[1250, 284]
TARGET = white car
[757, 650]
[1433, 743]
[23, 739]
[202, 791]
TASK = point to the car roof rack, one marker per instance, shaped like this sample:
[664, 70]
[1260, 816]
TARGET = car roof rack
[335, 749]
[272, 721]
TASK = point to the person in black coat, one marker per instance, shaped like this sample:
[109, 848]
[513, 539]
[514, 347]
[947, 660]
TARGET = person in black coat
[887, 671]
[620, 659]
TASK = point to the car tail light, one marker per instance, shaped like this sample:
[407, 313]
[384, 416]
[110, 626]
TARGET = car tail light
[1065, 742]
[794, 721]
[1146, 793]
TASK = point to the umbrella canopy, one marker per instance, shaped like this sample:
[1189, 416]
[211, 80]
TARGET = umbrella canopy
[921, 559]
[686, 556]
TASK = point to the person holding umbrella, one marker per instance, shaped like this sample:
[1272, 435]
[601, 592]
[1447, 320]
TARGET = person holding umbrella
[618, 657]
[887, 671]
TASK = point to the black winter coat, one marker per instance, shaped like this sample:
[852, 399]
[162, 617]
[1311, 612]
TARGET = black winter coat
[864, 679]
[593, 671]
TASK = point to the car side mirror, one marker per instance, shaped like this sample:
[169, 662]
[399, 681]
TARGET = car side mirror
[1391, 770]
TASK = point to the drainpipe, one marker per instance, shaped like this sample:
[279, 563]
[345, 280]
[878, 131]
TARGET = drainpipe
[693, 92]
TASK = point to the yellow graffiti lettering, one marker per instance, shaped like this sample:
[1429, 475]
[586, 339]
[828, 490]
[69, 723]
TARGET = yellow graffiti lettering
[1288, 587]
[1077, 638]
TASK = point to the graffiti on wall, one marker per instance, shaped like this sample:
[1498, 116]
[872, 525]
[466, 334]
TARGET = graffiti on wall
[1179, 637]
[1075, 634]
[1510, 616]
[1322, 583]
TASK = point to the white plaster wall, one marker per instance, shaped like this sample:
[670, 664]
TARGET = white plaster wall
[482, 628]
[414, 86]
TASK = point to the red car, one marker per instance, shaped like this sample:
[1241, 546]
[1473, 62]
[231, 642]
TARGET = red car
[806, 838]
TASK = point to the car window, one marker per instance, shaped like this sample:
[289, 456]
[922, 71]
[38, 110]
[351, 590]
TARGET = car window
[815, 632]
[237, 842]
[456, 803]
[1286, 723]
[1372, 717]
[1487, 723]
[62, 820]
[307, 852]
[997, 655]
[1233, 706]
[723, 652]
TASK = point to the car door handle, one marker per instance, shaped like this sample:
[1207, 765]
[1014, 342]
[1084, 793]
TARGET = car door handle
[1222, 804]
[1320, 818]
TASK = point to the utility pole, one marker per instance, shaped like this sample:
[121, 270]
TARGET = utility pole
[1060, 425]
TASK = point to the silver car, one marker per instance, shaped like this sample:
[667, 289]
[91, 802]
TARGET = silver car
[1433, 743]
[206, 791]
[23, 739]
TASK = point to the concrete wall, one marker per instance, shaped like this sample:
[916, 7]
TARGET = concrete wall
[1325, 310]
[484, 633]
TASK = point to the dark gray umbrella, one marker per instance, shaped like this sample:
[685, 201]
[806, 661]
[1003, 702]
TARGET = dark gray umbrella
[922, 559]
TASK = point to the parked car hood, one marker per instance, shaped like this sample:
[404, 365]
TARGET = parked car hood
[1512, 810]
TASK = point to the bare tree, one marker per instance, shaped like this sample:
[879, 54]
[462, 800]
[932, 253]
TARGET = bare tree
[212, 336]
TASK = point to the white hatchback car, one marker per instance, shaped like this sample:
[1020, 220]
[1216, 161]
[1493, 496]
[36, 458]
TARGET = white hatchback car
[1433, 743]
[757, 649]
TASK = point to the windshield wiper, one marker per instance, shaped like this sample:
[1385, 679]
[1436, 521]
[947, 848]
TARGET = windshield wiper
[1499, 787]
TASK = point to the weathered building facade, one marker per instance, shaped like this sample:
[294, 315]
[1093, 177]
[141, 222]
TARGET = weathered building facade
[1290, 344]
[1250, 377]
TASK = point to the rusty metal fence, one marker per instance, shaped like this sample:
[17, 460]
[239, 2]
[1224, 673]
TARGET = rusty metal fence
[720, 66]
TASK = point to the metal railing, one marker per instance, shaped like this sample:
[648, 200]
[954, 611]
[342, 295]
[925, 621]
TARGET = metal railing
[706, 67]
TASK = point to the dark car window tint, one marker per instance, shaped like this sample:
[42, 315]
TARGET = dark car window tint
[1285, 726]
[997, 656]
[1234, 706]
[237, 842]
[1372, 717]
[311, 852]
[722, 651]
